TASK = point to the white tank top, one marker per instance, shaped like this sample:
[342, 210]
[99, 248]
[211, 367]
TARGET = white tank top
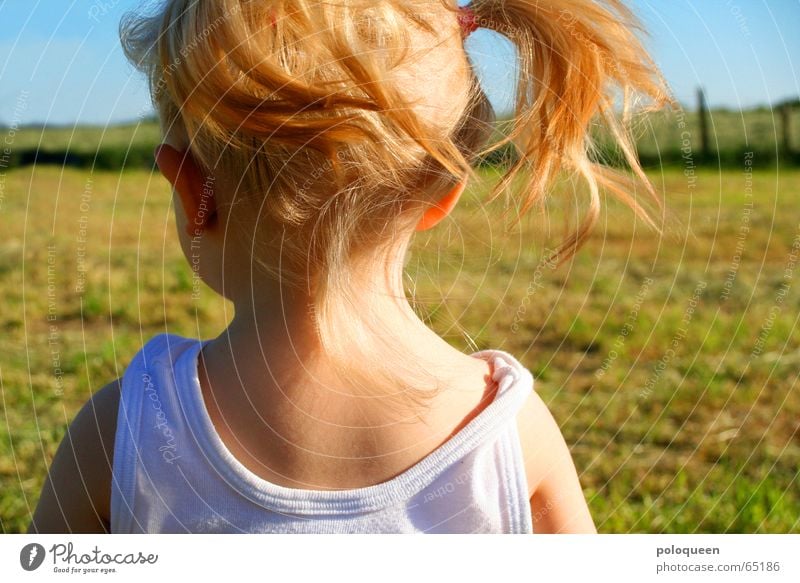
[172, 473]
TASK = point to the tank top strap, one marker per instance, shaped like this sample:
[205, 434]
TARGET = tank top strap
[146, 380]
[515, 384]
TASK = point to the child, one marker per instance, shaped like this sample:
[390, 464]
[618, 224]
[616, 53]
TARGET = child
[306, 142]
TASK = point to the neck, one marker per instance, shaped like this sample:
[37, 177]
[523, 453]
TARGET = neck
[274, 334]
[272, 396]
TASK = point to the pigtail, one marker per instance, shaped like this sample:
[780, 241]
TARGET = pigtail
[576, 57]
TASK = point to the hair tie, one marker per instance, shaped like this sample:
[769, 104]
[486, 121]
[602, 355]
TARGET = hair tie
[467, 20]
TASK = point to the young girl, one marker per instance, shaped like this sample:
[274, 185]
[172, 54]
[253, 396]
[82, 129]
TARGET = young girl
[306, 142]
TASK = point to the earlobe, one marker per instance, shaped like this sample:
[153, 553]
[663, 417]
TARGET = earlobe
[443, 207]
[195, 192]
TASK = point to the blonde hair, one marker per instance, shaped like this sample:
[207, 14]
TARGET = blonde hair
[329, 159]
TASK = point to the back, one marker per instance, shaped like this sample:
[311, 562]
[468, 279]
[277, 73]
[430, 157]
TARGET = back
[172, 473]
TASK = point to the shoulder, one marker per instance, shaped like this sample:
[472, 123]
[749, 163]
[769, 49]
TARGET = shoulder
[541, 439]
[76, 496]
[557, 501]
[98, 416]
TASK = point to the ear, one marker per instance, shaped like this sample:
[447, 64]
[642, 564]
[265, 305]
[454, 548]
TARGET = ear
[442, 208]
[195, 190]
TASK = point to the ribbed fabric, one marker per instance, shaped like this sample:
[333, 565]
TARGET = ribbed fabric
[172, 472]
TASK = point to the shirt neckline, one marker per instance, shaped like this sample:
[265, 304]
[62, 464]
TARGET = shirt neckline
[515, 383]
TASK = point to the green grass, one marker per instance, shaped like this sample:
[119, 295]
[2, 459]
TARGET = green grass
[660, 138]
[88, 139]
[706, 441]
[757, 130]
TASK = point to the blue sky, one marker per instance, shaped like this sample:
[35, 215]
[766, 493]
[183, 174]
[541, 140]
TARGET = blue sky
[61, 63]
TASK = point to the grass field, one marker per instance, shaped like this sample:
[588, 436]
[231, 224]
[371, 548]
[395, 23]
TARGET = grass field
[671, 362]
[659, 137]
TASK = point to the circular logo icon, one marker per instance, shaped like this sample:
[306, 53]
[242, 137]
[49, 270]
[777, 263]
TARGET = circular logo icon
[31, 556]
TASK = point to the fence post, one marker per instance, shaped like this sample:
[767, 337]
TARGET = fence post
[786, 116]
[702, 112]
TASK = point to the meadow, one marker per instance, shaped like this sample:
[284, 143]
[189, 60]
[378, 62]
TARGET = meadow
[661, 138]
[669, 360]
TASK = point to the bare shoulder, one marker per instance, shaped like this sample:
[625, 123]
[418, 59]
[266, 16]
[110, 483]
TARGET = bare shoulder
[557, 501]
[76, 496]
[540, 437]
